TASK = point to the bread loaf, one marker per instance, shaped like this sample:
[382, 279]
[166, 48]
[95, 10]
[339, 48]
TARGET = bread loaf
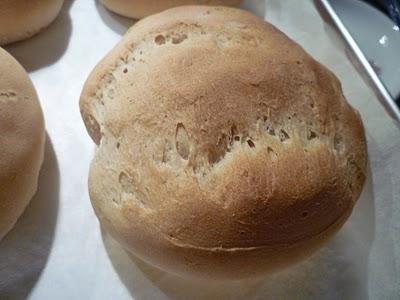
[21, 19]
[140, 8]
[21, 141]
[224, 149]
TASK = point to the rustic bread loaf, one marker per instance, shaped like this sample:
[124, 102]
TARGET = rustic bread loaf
[140, 8]
[22, 138]
[21, 19]
[224, 149]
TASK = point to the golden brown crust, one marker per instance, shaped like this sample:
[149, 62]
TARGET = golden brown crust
[21, 141]
[141, 8]
[226, 147]
[21, 19]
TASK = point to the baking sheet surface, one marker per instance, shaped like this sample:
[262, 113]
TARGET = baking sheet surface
[57, 250]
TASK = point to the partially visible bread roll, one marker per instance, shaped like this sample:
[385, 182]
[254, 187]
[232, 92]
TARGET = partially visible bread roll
[224, 149]
[21, 19]
[22, 138]
[140, 8]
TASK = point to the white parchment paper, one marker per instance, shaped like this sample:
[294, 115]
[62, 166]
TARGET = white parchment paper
[57, 250]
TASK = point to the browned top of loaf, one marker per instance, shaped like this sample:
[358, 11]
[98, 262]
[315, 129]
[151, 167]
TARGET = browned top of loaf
[20, 19]
[141, 8]
[217, 131]
[21, 140]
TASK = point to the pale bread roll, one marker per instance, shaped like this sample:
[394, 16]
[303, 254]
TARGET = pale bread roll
[21, 19]
[22, 138]
[141, 8]
[224, 149]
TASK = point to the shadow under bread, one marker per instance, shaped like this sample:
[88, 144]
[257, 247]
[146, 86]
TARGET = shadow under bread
[25, 249]
[46, 47]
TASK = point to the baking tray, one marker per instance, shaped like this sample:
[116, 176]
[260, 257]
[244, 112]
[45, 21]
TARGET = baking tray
[57, 249]
[387, 100]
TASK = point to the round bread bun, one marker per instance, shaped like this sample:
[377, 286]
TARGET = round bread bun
[21, 19]
[224, 149]
[141, 8]
[22, 138]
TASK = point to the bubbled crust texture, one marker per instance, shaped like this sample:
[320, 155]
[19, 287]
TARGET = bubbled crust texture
[21, 141]
[224, 151]
[140, 8]
[21, 19]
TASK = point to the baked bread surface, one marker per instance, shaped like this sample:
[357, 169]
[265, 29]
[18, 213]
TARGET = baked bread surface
[224, 149]
[21, 19]
[140, 8]
[22, 138]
